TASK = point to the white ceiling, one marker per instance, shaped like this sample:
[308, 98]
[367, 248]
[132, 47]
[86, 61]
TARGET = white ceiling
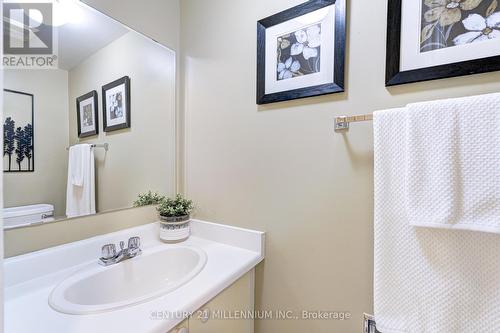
[86, 32]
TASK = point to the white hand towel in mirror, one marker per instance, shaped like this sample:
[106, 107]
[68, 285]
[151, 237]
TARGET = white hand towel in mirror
[80, 192]
[77, 155]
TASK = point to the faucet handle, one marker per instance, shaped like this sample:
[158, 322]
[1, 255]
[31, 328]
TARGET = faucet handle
[108, 251]
[134, 242]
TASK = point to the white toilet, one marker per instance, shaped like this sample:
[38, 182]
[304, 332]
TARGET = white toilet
[27, 215]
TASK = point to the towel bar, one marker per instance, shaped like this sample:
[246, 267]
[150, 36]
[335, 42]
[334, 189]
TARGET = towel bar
[98, 145]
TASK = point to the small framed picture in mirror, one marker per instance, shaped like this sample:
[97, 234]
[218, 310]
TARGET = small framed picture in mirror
[86, 108]
[116, 104]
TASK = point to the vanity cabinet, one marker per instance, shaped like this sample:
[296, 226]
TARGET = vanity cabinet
[223, 313]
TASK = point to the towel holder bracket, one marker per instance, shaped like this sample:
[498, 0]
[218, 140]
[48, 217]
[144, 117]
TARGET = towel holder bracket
[342, 122]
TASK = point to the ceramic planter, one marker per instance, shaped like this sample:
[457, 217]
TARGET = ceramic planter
[174, 228]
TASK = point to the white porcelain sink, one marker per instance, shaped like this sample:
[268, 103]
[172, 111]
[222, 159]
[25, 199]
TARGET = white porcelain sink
[98, 289]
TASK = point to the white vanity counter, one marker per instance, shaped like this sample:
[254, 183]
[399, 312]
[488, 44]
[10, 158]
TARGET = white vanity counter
[29, 279]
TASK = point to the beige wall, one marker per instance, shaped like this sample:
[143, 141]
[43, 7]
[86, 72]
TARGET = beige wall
[45, 184]
[158, 19]
[281, 168]
[142, 157]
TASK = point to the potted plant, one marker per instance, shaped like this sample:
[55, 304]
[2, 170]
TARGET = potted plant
[174, 218]
[149, 198]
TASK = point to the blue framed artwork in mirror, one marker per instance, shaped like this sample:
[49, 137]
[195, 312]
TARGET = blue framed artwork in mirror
[18, 132]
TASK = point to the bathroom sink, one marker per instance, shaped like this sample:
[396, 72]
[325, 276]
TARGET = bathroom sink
[98, 289]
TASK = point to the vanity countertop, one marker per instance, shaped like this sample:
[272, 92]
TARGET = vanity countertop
[30, 278]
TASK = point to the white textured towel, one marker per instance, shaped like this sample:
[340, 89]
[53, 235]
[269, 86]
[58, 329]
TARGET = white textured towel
[78, 155]
[80, 192]
[426, 280]
[453, 164]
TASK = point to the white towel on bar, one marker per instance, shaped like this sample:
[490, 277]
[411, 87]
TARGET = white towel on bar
[426, 280]
[80, 192]
[453, 165]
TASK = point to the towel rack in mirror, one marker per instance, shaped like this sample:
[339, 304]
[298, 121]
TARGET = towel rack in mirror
[98, 145]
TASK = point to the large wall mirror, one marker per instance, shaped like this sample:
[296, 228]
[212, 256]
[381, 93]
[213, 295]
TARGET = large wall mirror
[92, 133]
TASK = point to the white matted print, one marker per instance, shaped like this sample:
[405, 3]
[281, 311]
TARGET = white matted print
[116, 104]
[300, 52]
[86, 107]
[87, 115]
[436, 39]
[439, 32]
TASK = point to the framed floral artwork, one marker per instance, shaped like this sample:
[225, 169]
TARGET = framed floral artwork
[435, 39]
[300, 52]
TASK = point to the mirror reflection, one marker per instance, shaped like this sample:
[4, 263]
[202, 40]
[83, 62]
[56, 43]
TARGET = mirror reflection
[90, 134]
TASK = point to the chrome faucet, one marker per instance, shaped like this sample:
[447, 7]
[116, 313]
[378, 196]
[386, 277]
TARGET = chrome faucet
[111, 257]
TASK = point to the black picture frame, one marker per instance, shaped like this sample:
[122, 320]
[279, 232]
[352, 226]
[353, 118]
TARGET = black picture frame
[92, 94]
[337, 84]
[121, 81]
[394, 76]
[31, 167]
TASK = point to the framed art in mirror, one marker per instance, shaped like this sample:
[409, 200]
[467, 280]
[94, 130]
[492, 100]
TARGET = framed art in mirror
[63, 109]
[88, 121]
[116, 104]
[435, 39]
[300, 52]
[18, 131]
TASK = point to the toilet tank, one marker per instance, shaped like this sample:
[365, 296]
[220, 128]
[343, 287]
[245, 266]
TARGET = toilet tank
[26, 215]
